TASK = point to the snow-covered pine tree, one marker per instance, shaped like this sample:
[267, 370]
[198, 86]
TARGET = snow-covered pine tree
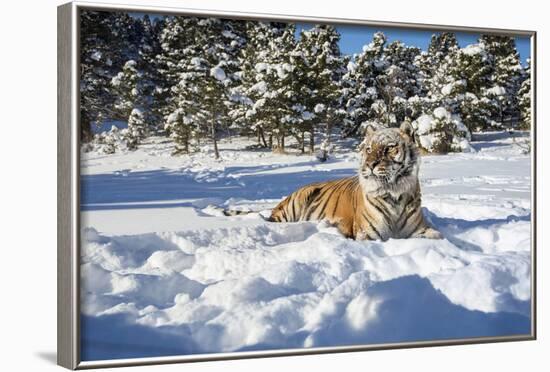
[398, 82]
[474, 96]
[281, 106]
[249, 89]
[206, 64]
[525, 98]
[318, 72]
[273, 95]
[174, 39]
[452, 102]
[459, 83]
[506, 77]
[107, 42]
[150, 79]
[137, 128]
[443, 46]
[125, 86]
[359, 84]
[441, 132]
[130, 100]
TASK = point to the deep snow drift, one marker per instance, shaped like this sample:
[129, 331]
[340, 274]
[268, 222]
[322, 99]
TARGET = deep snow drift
[163, 273]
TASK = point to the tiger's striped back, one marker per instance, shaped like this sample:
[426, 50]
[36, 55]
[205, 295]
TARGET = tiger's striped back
[354, 213]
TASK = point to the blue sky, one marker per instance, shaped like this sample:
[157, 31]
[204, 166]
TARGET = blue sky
[353, 37]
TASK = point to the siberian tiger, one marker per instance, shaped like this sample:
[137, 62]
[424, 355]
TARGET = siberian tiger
[381, 202]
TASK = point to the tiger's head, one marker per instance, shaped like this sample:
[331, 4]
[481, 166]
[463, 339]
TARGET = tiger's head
[389, 160]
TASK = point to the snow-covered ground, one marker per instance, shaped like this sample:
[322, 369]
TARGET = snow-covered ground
[163, 273]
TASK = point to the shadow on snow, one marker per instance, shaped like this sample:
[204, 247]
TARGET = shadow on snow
[165, 185]
[410, 309]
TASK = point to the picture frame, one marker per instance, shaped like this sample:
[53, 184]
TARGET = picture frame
[69, 231]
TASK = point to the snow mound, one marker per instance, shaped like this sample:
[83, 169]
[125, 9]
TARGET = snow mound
[440, 132]
[276, 285]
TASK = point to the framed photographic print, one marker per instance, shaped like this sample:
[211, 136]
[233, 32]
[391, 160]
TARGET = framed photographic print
[235, 185]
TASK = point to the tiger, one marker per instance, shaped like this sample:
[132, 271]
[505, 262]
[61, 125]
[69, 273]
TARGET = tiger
[382, 201]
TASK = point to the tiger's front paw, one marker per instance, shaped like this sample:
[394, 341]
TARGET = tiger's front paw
[428, 233]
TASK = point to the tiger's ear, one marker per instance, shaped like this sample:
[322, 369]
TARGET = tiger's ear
[407, 129]
[369, 130]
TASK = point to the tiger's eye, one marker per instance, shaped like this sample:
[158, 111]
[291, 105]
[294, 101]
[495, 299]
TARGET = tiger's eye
[392, 149]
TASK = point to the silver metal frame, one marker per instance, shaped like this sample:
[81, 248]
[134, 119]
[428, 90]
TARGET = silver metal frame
[68, 181]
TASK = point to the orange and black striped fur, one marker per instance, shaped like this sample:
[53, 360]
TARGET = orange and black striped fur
[382, 201]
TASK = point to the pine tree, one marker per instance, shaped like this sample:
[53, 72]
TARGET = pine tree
[206, 62]
[273, 96]
[172, 40]
[451, 100]
[318, 72]
[130, 102]
[280, 105]
[150, 79]
[506, 76]
[125, 88]
[443, 46]
[460, 84]
[108, 41]
[360, 85]
[398, 83]
[100, 59]
[440, 131]
[473, 68]
[137, 128]
[175, 39]
[250, 87]
[525, 98]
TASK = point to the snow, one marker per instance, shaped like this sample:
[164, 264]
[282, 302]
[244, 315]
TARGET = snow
[196, 61]
[449, 88]
[442, 113]
[218, 73]
[229, 34]
[261, 66]
[319, 108]
[282, 70]
[424, 124]
[306, 115]
[260, 87]
[96, 55]
[173, 117]
[496, 91]
[163, 268]
[473, 49]
[428, 133]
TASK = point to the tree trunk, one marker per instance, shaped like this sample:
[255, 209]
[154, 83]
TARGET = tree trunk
[85, 130]
[282, 143]
[271, 141]
[262, 136]
[213, 132]
[303, 142]
[186, 144]
[311, 140]
[329, 131]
